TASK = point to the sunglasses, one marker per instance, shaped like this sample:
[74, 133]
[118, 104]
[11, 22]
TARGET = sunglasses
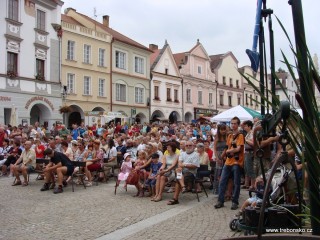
[189, 145]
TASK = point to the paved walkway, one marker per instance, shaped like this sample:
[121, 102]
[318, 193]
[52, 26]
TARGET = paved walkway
[96, 213]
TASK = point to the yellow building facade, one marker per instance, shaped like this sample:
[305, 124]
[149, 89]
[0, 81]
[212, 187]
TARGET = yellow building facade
[86, 71]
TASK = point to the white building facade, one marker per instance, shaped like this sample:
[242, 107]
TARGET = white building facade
[166, 86]
[30, 67]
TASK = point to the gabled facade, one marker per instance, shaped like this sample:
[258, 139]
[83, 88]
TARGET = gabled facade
[30, 66]
[130, 70]
[199, 86]
[166, 86]
[229, 86]
[86, 70]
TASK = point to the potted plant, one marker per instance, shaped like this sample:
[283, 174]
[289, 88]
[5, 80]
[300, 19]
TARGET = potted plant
[65, 109]
[176, 101]
[157, 98]
[11, 74]
[40, 77]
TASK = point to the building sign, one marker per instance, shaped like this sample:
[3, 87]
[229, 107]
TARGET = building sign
[39, 98]
[204, 112]
[5, 99]
[94, 113]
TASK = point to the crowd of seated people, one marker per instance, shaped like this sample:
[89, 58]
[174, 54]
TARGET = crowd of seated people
[163, 155]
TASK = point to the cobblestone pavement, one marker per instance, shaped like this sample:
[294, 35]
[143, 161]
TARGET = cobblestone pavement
[95, 212]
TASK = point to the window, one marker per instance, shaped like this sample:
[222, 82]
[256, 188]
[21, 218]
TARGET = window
[230, 101]
[41, 20]
[101, 57]
[70, 50]
[239, 101]
[70, 83]
[221, 99]
[12, 63]
[188, 95]
[210, 98]
[224, 80]
[237, 83]
[175, 93]
[39, 69]
[120, 92]
[199, 97]
[251, 102]
[86, 53]
[156, 92]
[139, 95]
[166, 71]
[13, 10]
[199, 69]
[169, 94]
[86, 85]
[231, 82]
[120, 60]
[138, 65]
[102, 83]
[257, 101]
[246, 98]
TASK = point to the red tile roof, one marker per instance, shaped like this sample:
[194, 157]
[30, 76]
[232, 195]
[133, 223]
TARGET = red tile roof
[154, 56]
[179, 58]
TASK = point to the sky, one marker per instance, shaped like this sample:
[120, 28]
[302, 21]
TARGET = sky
[220, 25]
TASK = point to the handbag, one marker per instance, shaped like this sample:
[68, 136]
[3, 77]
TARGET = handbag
[133, 177]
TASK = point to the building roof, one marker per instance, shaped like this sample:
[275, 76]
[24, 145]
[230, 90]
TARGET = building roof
[179, 58]
[67, 19]
[154, 57]
[215, 60]
[116, 35]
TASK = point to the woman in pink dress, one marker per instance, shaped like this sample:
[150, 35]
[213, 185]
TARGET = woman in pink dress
[125, 169]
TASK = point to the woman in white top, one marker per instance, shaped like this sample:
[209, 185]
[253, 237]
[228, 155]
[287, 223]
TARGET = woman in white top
[167, 173]
[66, 150]
[111, 155]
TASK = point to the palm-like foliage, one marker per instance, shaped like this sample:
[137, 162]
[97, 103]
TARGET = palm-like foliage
[304, 132]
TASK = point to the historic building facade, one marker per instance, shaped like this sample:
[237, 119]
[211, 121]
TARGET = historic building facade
[30, 71]
[199, 84]
[166, 86]
[129, 67]
[86, 70]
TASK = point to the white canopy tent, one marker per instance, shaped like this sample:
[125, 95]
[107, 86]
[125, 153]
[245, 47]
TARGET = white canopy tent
[243, 113]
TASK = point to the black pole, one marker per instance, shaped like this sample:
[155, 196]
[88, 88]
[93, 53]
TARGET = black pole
[272, 66]
[261, 40]
[305, 84]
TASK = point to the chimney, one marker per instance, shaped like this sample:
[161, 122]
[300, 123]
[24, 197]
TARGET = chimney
[153, 47]
[105, 20]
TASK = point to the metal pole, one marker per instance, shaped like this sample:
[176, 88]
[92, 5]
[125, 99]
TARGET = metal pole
[305, 84]
[272, 66]
[261, 40]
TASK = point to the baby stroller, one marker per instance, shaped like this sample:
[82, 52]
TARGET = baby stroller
[248, 220]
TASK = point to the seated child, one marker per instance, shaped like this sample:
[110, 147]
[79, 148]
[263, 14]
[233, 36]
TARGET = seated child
[256, 198]
[154, 170]
[125, 169]
[140, 161]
